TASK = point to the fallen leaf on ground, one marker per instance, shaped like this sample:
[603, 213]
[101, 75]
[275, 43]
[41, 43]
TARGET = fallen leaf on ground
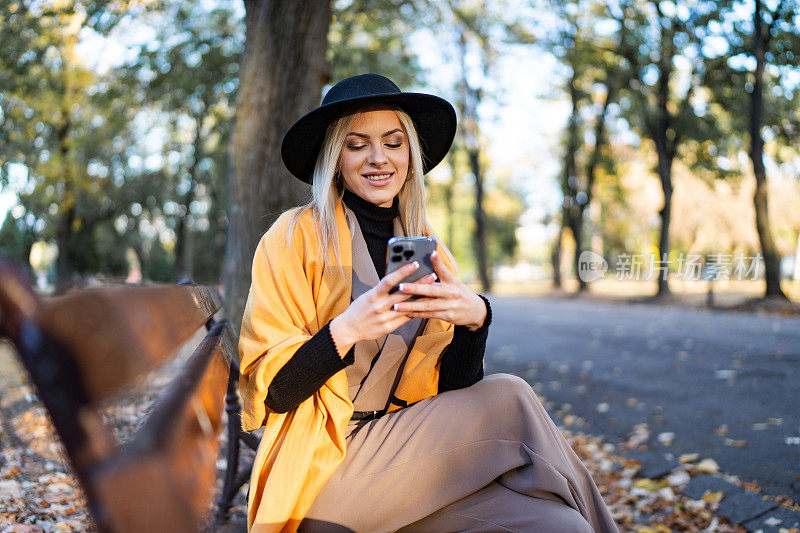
[712, 496]
[707, 466]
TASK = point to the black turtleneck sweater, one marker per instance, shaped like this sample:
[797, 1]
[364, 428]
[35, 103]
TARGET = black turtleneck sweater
[318, 359]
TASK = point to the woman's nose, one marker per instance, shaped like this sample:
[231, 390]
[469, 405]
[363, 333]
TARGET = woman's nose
[377, 156]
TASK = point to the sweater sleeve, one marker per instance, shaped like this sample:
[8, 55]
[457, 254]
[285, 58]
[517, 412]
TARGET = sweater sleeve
[462, 363]
[308, 369]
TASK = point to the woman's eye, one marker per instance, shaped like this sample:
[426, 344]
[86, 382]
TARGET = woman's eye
[393, 145]
[355, 146]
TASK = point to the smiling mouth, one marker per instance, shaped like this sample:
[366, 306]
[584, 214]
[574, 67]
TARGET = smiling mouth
[378, 177]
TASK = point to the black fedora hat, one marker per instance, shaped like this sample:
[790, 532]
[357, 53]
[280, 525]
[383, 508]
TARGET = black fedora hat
[434, 119]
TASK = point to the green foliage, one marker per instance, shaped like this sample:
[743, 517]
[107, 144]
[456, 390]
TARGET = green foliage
[662, 50]
[373, 36]
[159, 264]
[95, 184]
[729, 81]
[15, 240]
[504, 206]
[593, 79]
[57, 119]
[188, 77]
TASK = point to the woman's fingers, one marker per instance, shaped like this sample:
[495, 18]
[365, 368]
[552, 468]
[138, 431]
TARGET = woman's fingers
[401, 296]
[425, 314]
[390, 280]
[393, 299]
[428, 289]
[441, 269]
[430, 278]
[423, 304]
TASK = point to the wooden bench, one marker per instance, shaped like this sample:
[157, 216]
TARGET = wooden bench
[88, 346]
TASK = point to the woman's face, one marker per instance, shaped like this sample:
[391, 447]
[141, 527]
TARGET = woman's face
[374, 160]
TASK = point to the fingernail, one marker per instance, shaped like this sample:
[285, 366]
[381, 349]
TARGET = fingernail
[416, 264]
[434, 254]
[394, 307]
[401, 287]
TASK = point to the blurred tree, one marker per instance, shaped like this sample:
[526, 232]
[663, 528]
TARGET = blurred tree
[373, 36]
[57, 118]
[469, 98]
[592, 86]
[611, 199]
[504, 206]
[756, 71]
[188, 75]
[283, 72]
[16, 240]
[477, 29]
[662, 51]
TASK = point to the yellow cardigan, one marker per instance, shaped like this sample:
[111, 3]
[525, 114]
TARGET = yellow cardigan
[290, 299]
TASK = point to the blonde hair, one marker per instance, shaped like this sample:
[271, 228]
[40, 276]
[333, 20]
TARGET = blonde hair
[327, 191]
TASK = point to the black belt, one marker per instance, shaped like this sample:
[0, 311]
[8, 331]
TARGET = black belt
[367, 415]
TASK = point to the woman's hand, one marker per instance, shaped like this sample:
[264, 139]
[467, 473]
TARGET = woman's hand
[371, 315]
[449, 300]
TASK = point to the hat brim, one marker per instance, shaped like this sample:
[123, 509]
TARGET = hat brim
[434, 118]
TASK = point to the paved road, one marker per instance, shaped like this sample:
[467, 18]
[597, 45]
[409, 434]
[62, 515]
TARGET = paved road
[679, 370]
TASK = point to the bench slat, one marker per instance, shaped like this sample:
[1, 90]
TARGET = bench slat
[116, 335]
[167, 470]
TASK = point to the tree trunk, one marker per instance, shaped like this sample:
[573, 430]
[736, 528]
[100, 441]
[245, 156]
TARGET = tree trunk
[591, 173]
[555, 258]
[577, 234]
[665, 150]
[480, 222]
[449, 187]
[665, 141]
[769, 250]
[665, 158]
[658, 124]
[64, 266]
[184, 256]
[283, 72]
[469, 98]
[569, 177]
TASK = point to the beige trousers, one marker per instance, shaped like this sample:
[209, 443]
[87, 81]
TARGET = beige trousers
[482, 458]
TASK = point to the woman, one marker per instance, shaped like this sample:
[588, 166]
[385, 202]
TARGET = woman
[410, 436]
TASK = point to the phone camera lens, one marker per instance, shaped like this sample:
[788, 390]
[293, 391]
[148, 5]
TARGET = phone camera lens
[408, 254]
[397, 249]
[396, 258]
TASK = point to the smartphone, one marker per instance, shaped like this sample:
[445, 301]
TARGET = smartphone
[403, 250]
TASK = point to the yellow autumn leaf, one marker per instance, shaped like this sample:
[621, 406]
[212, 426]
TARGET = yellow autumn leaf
[660, 528]
[649, 484]
[712, 496]
[707, 466]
